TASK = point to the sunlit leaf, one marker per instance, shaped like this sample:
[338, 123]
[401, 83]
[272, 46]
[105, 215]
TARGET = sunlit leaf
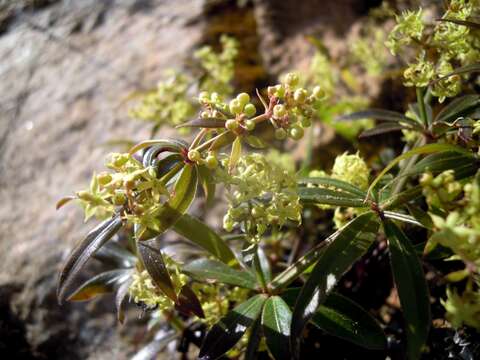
[83, 251]
[100, 284]
[276, 322]
[209, 123]
[235, 154]
[315, 195]
[229, 330]
[171, 145]
[354, 240]
[334, 183]
[411, 286]
[202, 235]
[205, 269]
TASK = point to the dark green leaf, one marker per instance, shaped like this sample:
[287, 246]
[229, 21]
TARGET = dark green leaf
[340, 316]
[229, 330]
[378, 114]
[205, 269]
[466, 23]
[334, 183]
[208, 185]
[421, 216]
[150, 155]
[411, 286]
[115, 254]
[264, 264]
[120, 297]
[354, 240]
[166, 164]
[209, 123]
[276, 321]
[171, 145]
[254, 341]
[153, 262]
[202, 235]
[255, 142]
[188, 303]
[459, 107]
[401, 217]
[382, 129]
[83, 251]
[100, 284]
[330, 197]
[437, 163]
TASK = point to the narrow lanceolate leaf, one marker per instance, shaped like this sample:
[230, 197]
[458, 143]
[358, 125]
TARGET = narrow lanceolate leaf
[171, 145]
[402, 198]
[209, 123]
[229, 330]
[382, 129]
[470, 24]
[153, 262]
[411, 286]
[163, 166]
[208, 184]
[461, 70]
[116, 255]
[205, 269]
[354, 240]
[402, 217]
[181, 199]
[334, 184]
[421, 150]
[437, 163]
[321, 196]
[83, 251]
[100, 284]
[63, 201]
[235, 154]
[421, 216]
[121, 297]
[276, 322]
[377, 114]
[254, 340]
[459, 107]
[188, 303]
[202, 235]
[150, 155]
[342, 317]
[222, 140]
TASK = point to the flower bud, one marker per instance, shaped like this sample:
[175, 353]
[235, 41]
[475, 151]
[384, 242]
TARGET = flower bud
[291, 79]
[279, 111]
[235, 106]
[250, 110]
[211, 161]
[296, 132]
[318, 92]
[203, 97]
[250, 125]
[243, 98]
[119, 198]
[104, 178]
[300, 95]
[194, 155]
[306, 122]
[280, 134]
[231, 125]
[85, 195]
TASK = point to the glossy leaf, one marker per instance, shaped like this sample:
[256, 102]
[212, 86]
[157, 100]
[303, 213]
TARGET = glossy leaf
[402, 217]
[150, 155]
[437, 163]
[83, 251]
[153, 262]
[202, 235]
[223, 140]
[276, 322]
[254, 341]
[421, 216]
[411, 286]
[188, 303]
[209, 123]
[100, 284]
[334, 183]
[421, 150]
[378, 114]
[166, 164]
[402, 198]
[205, 269]
[171, 145]
[115, 254]
[382, 129]
[229, 330]
[120, 298]
[330, 197]
[342, 317]
[459, 107]
[354, 240]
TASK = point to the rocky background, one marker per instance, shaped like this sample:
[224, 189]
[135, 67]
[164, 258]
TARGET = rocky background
[66, 68]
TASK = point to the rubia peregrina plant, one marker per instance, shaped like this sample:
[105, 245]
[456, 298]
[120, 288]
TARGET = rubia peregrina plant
[233, 287]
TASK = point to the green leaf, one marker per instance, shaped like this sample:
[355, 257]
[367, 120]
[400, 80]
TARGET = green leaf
[229, 330]
[208, 184]
[235, 154]
[255, 142]
[153, 262]
[276, 321]
[459, 107]
[150, 156]
[202, 235]
[166, 164]
[188, 303]
[401, 198]
[382, 129]
[330, 197]
[425, 149]
[209, 123]
[402, 217]
[83, 251]
[466, 23]
[223, 140]
[411, 286]
[167, 144]
[205, 269]
[254, 341]
[342, 317]
[354, 240]
[120, 297]
[116, 255]
[378, 114]
[100, 284]
[63, 201]
[437, 163]
[334, 183]
[421, 216]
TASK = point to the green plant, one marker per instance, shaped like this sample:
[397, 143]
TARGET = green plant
[238, 286]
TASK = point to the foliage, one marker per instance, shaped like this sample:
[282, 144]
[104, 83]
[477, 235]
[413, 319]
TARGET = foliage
[242, 287]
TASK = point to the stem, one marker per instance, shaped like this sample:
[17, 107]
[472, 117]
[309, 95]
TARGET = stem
[421, 106]
[198, 138]
[206, 144]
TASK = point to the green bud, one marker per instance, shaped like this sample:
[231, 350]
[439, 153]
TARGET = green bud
[280, 91]
[119, 198]
[211, 161]
[296, 132]
[300, 95]
[194, 155]
[203, 97]
[215, 97]
[250, 125]
[291, 79]
[85, 195]
[250, 110]
[231, 125]
[243, 98]
[318, 92]
[235, 106]
[279, 111]
[258, 212]
[306, 122]
[280, 134]
[204, 115]
[104, 178]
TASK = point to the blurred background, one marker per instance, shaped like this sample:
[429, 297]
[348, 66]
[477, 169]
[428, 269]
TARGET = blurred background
[68, 70]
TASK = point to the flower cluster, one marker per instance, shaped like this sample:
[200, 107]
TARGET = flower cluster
[260, 194]
[144, 291]
[409, 28]
[440, 191]
[463, 309]
[128, 187]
